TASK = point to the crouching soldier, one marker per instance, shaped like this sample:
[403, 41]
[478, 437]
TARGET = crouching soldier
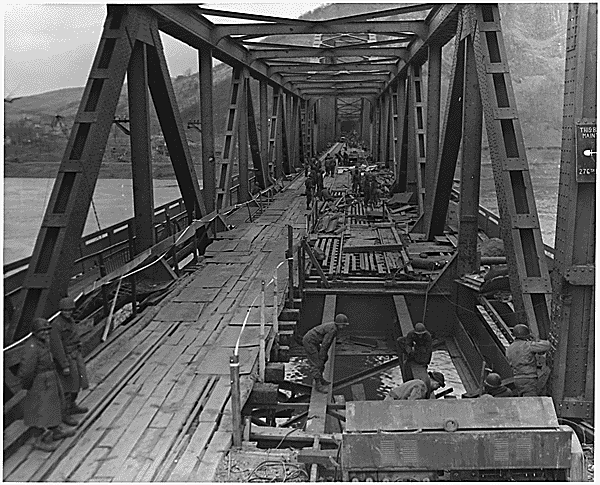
[66, 350]
[44, 405]
[417, 388]
[316, 343]
[492, 386]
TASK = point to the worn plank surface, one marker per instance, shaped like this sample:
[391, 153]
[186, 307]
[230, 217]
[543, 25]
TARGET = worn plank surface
[169, 371]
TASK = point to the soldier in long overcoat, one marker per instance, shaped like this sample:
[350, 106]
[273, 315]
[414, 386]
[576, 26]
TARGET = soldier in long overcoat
[66, 350]
[43, 406]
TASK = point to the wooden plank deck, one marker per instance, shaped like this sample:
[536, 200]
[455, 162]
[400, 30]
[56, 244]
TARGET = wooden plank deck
[159, 396]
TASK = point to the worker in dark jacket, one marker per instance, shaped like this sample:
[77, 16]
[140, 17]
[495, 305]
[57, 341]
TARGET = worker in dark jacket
[65, 345]
[418, 345]
[43, 406]
[417, 388]
[310, 187]
[521, 356]
[492, 386]
[316, 343]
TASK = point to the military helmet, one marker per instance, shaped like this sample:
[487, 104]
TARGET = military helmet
[521, 331]
[66, 303]
[439, 377]
[493, 380]
[420, 328]
[40, 324]
[341, 318]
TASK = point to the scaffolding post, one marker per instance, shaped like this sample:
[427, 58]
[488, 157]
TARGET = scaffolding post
[290, 259]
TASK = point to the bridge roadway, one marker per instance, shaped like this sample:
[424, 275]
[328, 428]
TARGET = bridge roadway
[159, 391]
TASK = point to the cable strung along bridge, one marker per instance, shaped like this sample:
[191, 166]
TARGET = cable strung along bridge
[361, 73]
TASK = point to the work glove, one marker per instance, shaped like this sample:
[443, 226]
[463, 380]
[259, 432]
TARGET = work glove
[66, 372]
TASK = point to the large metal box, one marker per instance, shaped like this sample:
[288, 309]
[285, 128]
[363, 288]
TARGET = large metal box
[469, 434]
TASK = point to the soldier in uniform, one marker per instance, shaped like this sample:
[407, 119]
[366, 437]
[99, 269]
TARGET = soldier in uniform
[492, 386]
[417, 388]
[66, 349]
[522, 357]
[316, 343]
[44, 404]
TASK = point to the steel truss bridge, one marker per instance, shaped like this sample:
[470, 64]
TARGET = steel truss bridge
[364, 71]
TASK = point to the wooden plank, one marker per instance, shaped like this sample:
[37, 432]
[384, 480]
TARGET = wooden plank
[250, 336]
[217, 361]
[403, 314]
[230, 258]
[219, 445]
[222, 245]
[216, 401]
[193, 452]
[358, 392]
[205, 281]
[180, 312]
[196, 294]
[12, 462]
[88, 468]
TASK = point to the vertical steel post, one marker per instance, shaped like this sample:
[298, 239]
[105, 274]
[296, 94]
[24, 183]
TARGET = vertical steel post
[141, 157]
[261, 348]
[209, 168]
[434, 93]
[290, 259]
[236, 405]
[264, 130]
[243, 191]
[470, 167]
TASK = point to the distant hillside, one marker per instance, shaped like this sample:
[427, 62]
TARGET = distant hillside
[534, 39]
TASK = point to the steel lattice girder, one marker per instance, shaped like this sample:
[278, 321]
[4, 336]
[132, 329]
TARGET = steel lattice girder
[57, 245]
[358, 50]
[572, 329]
[528, 272]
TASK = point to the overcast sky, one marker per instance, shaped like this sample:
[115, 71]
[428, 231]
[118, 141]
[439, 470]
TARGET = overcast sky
[52, 46]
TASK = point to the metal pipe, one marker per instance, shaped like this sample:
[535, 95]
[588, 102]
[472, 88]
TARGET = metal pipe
[236, 405]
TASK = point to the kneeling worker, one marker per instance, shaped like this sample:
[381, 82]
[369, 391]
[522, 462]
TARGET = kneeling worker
[316, 343]
[417, 389]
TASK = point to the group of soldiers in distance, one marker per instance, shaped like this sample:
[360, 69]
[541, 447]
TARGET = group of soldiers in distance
[52, 370]
[363, 184]
[530, 373]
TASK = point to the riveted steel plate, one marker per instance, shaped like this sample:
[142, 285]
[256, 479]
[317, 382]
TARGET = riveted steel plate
[371, 416]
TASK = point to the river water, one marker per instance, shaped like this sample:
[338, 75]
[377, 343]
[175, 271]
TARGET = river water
[25, 200]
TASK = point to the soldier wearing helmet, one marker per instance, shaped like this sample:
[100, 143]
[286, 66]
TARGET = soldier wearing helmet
[65, 344]
[417, 347]
[492, 385]
[417, 388]
[43, 405]
[316, 343]
[521, 356]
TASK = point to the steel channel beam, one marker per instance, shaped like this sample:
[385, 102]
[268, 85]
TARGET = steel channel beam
[573, 307]
[264, 128]
[363, 50]
[259, 162]
[141, 158]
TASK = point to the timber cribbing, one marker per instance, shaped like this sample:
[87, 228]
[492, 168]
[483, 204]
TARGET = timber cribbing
[159, 394]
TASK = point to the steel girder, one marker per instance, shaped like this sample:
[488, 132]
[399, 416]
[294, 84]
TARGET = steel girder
[416, 136]
[354, 51]
[528, 272]
[416, 27]
[57, 244]
[209, 169]
[442, 168]
[573, 308]
[224, 169]
[468, 228]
